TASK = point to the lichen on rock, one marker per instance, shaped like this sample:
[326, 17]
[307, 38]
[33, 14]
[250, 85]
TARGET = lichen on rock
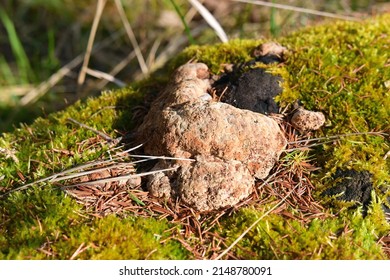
[231, 146]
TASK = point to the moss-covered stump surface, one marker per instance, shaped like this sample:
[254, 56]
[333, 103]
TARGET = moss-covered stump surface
[341, 69]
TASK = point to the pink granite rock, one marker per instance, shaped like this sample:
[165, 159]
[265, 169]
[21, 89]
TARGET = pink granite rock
[231, 146]
[305, 120]
[217, 129]
[208, 183]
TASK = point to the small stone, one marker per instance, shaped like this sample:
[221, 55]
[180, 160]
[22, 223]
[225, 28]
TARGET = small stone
[305, 120]
[270, 48]
[158, 184]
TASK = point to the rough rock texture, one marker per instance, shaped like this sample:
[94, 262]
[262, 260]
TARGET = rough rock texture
[231, 146]
[217, 129]
[206, 184]
[305, 120]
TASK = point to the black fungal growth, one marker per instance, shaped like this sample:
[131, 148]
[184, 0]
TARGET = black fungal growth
[247, 87]
[352, 186]
[253, 90]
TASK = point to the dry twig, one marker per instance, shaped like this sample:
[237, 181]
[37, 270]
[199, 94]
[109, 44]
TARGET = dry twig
[132, 38]
[95, 24]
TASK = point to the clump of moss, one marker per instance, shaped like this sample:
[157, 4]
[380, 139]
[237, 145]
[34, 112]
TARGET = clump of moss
[47, 225]
[340, 69]
[277, 237]
[42, 222]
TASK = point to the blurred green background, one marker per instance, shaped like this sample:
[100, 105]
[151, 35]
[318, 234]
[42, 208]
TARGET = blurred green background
[42, 43]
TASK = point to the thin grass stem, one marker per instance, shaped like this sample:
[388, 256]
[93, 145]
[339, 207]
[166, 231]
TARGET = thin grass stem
[91, 39]
[24, 67]
[338, 137]
[133, 40]
[183, 20]
[119, 178]
[297, 9]
[210, 19]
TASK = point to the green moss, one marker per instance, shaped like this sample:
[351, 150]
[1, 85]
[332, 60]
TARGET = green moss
[130, 238]
[45, 224]
[348, 236]
[215, 56]
[342, 72]
[42, 222]
[339, 69]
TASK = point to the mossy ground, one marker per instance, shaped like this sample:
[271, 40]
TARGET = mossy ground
[340, 69]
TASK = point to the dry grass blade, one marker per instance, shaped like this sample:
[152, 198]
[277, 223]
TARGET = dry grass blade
[79, 250]
[153, 51]
[59, 176]
[297, 9]
[91, 39]
[8, 92]
[133, 40]
[338, 137]
[305, 144]
[119, 178]
[35, 93]
[101, 134]
[385, 242]
[210, 19]
[161, 157]
[105, 76]
[44, 87]
[120, 66]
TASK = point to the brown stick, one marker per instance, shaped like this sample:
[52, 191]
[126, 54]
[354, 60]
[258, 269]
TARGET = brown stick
[95, 24]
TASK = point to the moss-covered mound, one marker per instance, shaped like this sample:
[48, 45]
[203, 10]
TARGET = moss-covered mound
[341, 69]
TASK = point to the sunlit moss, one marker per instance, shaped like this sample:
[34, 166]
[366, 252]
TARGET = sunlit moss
[274, 237]
[339, 69]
